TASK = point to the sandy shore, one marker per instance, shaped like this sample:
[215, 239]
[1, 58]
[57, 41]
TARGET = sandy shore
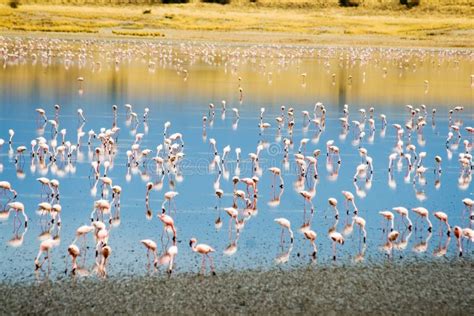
[416, 288]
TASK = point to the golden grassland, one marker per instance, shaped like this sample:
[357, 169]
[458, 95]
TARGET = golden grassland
[439, 23]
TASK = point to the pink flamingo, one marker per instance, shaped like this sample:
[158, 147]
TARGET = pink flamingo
[73, 252]
[45, 247]
[204, 250]
[443, 217]
[423, 213]
[150, 246]
[168, 224]
[336, 238]
[311, 236]
[285, 224]
[389, 217]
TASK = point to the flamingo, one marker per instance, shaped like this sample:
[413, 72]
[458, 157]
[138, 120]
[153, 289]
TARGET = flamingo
[42, 114]
[168, 223]
[82, 231]
[458, 234]
[361, 223]
[423, 213]
[276, 172]
[443, 217]
[285, 224]
[204, 250]
[105, 252]
[349, 197]
[150, 246]
[5, 186]
[18, 207]
[169, 196]
[307, 197]
[333, 203]
[73, 252]
[389, 217]
[311, 236]
[11, 133]
[469, 204]
[403, 212]
[219, 194]
[19, 153]
[391, 238]
[438, 161]
[80, 114]
[45, 247]
[336, 238]
[149, 187]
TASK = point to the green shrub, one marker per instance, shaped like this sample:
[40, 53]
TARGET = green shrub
[217, 1]
[14, 3]
[174, 1]
[349, 3]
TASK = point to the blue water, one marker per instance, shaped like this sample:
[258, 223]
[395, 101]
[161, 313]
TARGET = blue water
[212, 76]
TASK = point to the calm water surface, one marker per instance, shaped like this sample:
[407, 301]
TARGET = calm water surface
[177, 83]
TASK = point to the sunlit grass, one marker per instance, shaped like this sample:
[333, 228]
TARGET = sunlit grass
[266, 15]
[138, 33]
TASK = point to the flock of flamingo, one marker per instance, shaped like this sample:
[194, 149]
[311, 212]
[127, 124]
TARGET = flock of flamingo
[58, 153]
[169, 154]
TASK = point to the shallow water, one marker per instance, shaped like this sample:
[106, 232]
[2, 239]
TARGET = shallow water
[178, 86]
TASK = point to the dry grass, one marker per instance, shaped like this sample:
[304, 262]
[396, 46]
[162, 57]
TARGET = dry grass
[138, 33]
[291, 17]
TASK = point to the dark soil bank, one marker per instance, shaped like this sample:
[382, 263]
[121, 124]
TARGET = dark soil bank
[417, 288]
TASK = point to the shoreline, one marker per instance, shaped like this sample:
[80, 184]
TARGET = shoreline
[418, 288]
[211, 38]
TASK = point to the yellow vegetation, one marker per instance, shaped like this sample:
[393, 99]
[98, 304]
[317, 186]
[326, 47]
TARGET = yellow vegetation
[450, 22]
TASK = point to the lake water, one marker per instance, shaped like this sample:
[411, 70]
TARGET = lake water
[177, 82]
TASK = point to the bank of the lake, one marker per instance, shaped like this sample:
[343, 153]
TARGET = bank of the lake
[444, 287]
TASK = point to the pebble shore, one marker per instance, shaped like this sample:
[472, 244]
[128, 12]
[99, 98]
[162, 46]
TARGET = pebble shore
[433, 288]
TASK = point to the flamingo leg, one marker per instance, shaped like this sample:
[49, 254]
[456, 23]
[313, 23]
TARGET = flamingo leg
[203, 264]
[212, 264]
[315, 249]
